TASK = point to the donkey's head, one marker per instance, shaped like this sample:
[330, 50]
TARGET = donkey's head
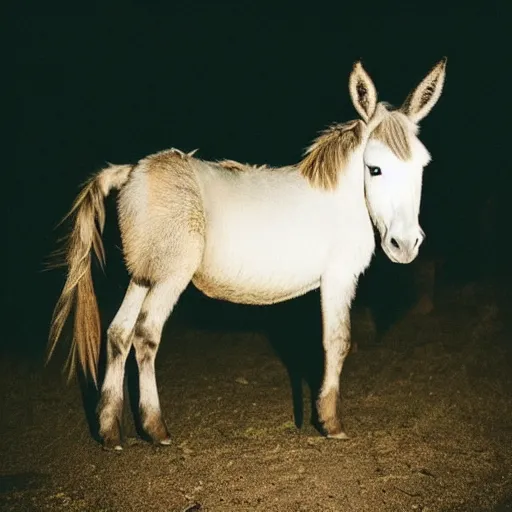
[394, 159]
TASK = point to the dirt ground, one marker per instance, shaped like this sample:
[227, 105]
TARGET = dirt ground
[428, 408]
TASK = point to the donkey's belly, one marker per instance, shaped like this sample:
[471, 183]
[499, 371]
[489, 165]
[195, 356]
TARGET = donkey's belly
[264, 275]
[241, 293]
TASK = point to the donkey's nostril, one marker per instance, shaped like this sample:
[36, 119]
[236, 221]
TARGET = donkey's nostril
[394, 243]
[416, 243]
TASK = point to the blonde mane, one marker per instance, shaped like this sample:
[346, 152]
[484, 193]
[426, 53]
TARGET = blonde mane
[330, 152]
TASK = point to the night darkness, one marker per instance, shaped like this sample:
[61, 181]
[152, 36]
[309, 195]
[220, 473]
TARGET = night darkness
[253, 85]
[256, 85]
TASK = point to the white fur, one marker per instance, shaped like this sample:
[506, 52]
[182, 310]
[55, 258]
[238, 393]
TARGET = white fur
[272, 235]
[394, 198]
[159, 303]
[123, 324]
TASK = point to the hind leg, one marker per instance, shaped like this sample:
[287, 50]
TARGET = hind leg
[156, 308]
[118, 346]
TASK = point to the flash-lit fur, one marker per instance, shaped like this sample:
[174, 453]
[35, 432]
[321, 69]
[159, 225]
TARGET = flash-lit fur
[247, 234]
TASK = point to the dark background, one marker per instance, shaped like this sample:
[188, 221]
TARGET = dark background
[252, 83]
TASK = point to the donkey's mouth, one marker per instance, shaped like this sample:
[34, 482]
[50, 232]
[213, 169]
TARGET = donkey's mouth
[401, 256]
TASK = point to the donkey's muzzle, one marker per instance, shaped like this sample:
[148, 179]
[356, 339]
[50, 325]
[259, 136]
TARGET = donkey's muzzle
[403, 249]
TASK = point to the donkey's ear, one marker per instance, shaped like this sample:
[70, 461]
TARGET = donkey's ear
[362, 92]
[420, 102]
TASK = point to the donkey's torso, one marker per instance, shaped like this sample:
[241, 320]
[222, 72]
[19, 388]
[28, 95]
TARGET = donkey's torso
[269, 236]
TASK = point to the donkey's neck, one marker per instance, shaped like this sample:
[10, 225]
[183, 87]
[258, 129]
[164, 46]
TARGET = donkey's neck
[350, 190]
[351, 218]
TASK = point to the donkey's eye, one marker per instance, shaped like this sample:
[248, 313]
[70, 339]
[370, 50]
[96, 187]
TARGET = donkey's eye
[374, 171]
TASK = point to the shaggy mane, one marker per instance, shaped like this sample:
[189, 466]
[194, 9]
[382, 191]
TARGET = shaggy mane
[329, 153]
[326, 158]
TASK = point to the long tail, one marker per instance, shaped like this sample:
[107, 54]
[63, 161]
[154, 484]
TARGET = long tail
[78, 292]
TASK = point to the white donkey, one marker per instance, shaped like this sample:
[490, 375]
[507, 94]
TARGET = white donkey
[246, 234]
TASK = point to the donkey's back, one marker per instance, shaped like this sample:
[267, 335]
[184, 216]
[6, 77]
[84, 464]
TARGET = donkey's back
[261, 235]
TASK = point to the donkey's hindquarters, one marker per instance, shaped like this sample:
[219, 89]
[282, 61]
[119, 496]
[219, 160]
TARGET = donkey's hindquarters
[162, 228]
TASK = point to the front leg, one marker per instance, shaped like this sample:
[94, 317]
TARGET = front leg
[337, 293]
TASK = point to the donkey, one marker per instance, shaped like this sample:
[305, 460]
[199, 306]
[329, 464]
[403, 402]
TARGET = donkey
[250, 235]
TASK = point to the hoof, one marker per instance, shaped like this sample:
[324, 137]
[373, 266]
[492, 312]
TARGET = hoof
[155, 428]
[329, 412]
[112, 438]
[339, 435]
[112, 446]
